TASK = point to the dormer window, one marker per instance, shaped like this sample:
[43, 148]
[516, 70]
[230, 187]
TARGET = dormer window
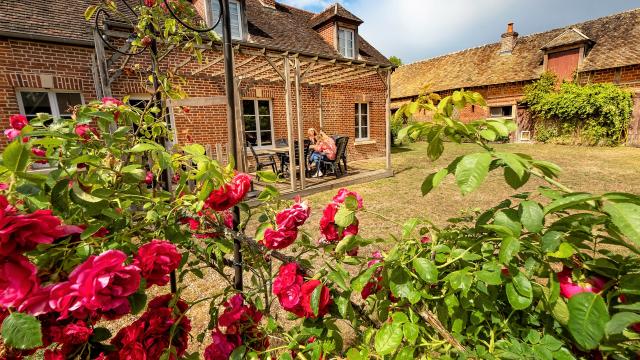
[235, 11]
[346, 42]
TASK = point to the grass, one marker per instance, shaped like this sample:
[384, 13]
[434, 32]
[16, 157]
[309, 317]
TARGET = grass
[399, 198]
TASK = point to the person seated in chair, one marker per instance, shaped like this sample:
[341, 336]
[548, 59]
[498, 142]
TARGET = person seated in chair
[324, 149]
[312, 135]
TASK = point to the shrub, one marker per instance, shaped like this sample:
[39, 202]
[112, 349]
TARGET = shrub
[592, 114]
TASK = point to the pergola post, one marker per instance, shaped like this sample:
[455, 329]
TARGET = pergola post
[300, 123]
[292, 153]
[241, 158]
[321, 110]
[388, 120]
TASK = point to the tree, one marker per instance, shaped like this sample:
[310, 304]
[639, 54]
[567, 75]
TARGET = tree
[396, 61]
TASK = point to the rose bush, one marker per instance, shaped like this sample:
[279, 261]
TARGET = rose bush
[549, 273]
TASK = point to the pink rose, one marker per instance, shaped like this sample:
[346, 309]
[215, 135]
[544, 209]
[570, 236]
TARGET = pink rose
[221, 347]
[288, 287]
[156, 260]
[11, 134]
[344, 193]
[38, 302]
[4, 186]
[18, 279]
[111, 102]
[84, 131]
[229, 195]
[293, 217]
[325, 299]
[18, 121]
[149, 3]
[101, 283]
[279, 239]
[568, 288]
[425, 239]
[148, 179]
[23, 232]
[39, 152]
[238, 317]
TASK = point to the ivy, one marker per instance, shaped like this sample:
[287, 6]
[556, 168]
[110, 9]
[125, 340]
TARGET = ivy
[592, 114]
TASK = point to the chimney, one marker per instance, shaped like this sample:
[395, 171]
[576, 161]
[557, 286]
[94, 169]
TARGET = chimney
[268, 3]
[508, 41]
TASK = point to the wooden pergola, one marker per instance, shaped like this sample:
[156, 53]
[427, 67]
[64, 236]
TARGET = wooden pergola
[295, 70]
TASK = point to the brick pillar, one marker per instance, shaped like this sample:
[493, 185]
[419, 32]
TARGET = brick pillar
[633, 137]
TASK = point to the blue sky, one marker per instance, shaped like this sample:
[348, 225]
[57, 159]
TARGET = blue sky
[419, 29]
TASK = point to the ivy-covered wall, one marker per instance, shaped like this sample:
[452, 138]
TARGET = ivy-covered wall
[591, 114]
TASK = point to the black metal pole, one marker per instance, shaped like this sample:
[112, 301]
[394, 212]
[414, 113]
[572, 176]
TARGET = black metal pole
[231, 128]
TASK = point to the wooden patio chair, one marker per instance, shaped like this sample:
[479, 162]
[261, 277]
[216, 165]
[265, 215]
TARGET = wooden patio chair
[334, 165]
[263, 160]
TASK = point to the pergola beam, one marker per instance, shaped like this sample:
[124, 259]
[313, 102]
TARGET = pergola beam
[245, 62]
[348, 77]
[287, 93]
[208, 65]
[298, 80]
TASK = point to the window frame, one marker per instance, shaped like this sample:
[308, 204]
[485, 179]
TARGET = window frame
[51, 94]
[359, 114]
[353, 42]
[218, 29]
[256, 118]
[501, 107]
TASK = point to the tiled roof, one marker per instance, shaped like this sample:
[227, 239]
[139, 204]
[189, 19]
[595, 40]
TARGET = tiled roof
[569, 37]
[285, 27]
[615, 44]
[336, 10]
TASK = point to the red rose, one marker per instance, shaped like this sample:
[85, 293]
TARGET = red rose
[149, 3]
[568, 288]
[293, 217]
[323, 304]
[38, 302]
[193, 223]
[425, 239]
[18, 279]
[23, 232]
[148, 179]
[84, 131]
[156, 260]
[288, 275]
[238, 317]
[76, 333]
[111, 102]
[101, 283]
[344, 193]
[132, 351]
[328, 228]
[221, 347]
[11, 134]
[371, 287]
[288, 287]
[279, 239]
[229, 195]
[18, 121]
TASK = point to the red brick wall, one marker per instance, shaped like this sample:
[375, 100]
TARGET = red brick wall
[328, 33]
[22, 63]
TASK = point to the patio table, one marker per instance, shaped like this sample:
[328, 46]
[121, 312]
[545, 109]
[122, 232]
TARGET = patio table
[280, 152]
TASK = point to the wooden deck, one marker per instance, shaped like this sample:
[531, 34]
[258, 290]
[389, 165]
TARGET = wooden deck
[355, 175]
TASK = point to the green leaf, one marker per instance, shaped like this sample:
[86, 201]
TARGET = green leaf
[569, 201]
[144, 147]
[406, 353]
[88, 14]
[59, 195]
[315, 299]
[194, 149]
[16, 157]
[409, 226]
[630, 284]
[498, 127]
[22, 331]
[621, 321]
[531, 216]
[519, 292]
[238, 353]
[347, 244]
[411, 332]
[488, 134]
[513, 161]
[426, 269]
[551, 240]
[460, 280]
[267, 176]
[626, 217]
[435, 148]
[565, 251]
[137, 301]
[514, 180]
[509, 247]
[510, 219]
[588, 317]
[340, 277]
[344, 217]
[433, 181]
[100, 334]
[400, 283]
[361, 280]
[471, 171]
[388, 338]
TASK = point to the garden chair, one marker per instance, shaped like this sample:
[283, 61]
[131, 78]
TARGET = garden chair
[263, 160]
[334, 165]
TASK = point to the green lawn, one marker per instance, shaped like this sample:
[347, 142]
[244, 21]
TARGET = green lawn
[399, 198]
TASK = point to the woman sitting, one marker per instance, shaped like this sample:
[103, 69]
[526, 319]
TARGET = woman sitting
[323, 150]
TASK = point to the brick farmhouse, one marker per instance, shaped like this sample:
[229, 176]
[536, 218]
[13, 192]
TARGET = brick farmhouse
[51, 59]
[595, 51]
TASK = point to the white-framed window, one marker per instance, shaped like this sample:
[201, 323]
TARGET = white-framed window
[362, 121]
[501, 111]
[58, 103]
[235, 12]
[346, 42]
[258, 124]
